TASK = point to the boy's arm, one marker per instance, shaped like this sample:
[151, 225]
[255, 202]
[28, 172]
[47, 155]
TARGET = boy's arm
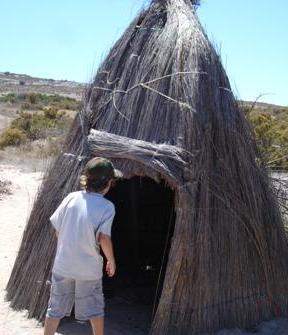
[107, 248]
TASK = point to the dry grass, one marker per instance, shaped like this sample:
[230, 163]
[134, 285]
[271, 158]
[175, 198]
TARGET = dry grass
[32, 156]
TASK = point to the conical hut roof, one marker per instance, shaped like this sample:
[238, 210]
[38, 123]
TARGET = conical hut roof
[163, 107]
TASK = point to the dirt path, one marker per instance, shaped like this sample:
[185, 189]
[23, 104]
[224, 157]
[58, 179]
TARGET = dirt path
[14, 211]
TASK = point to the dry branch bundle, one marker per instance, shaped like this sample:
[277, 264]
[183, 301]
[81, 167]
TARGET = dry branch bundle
[163, 83]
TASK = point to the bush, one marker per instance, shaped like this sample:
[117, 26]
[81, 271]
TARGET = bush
[271, 133]
[12, 136]
[51, 113]
[32, 98]
[54, 101]
[40, 101]
[25, 106]
[10, 97]
[35, 126]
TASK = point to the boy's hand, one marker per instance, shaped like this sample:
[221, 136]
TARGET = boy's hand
[110, 268]
[107, 248]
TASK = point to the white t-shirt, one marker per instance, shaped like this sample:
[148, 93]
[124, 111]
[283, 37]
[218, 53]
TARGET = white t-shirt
[79, 218]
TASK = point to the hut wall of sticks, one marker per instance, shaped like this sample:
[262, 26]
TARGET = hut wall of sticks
[161, 107]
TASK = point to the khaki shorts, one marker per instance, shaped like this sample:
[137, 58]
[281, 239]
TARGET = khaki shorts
[87, 295]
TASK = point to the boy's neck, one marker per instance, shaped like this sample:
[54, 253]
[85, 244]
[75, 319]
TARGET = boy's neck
[103, 192]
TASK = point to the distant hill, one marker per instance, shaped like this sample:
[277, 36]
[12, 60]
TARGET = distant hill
[24, 84]
[262, 106]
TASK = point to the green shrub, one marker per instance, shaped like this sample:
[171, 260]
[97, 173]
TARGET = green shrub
[55, 101]
[35, 126]
[59, 102]
[10, 97]
[12, 136]
[271, 133]
[32, 98]
[39, 101]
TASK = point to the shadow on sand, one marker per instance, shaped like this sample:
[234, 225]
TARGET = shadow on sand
[122, 317]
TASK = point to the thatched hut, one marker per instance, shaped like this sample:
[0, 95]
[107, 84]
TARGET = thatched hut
[195, 205]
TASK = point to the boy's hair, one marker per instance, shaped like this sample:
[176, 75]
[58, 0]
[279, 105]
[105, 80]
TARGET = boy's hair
[97, 174]
[89, 186]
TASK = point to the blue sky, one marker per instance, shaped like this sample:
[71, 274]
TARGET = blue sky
[67, 39]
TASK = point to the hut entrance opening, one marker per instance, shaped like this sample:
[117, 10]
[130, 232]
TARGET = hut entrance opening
[142, 231]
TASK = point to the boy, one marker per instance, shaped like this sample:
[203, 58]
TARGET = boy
[83, 224]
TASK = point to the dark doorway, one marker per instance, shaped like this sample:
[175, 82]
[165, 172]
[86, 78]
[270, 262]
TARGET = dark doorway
[142, 230]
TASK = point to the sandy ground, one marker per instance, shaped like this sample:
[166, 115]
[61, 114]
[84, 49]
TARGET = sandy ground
[122, 316]
[14, 211]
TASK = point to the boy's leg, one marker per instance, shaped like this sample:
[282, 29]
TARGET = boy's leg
[60, 303]
[89, 304]
[97, 325]
[51, 326]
